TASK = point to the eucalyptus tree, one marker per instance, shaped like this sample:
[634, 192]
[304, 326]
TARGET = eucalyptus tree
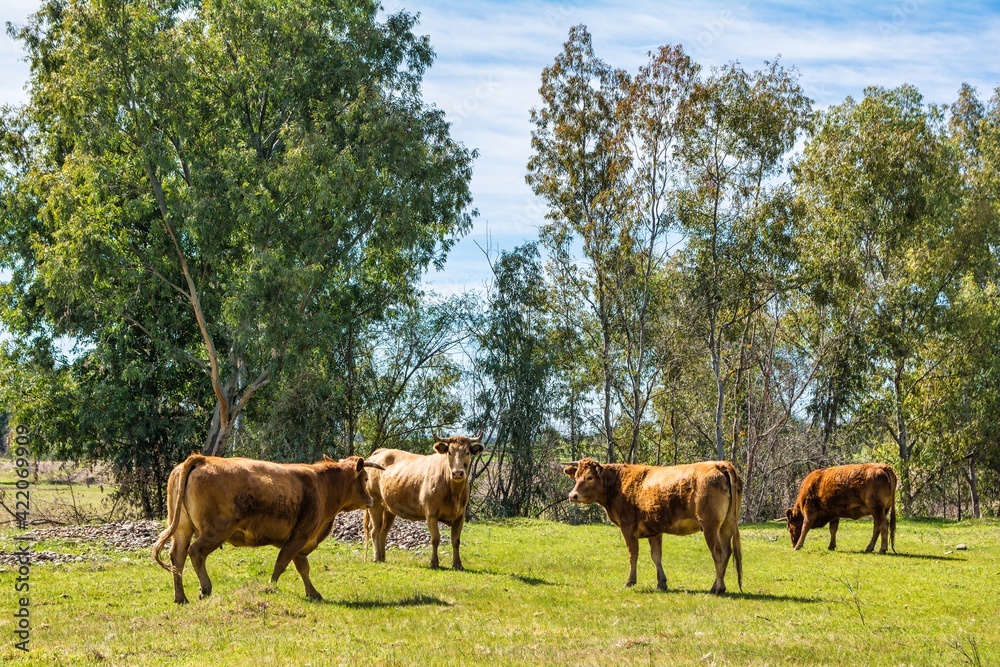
[604, 160]
[576, 166]
[882, 200]
[515, 359]
[269, 165]
[735, 211]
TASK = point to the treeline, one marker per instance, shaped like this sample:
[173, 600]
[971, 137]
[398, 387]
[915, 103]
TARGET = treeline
[228, 213]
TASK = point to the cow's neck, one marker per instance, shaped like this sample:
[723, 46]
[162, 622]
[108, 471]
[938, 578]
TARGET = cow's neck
[335, 483]
[612, 488]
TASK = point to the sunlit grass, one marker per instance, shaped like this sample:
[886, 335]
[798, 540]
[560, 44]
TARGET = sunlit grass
[535, 592]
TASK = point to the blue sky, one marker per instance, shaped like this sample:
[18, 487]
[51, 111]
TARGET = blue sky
[490, 55]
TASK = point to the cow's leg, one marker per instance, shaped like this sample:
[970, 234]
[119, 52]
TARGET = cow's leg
[199, 551]
[880, 526]
[806, 525]
[432, 527]
[383, 535]
[633, 557]
[720, 554]
[834, 525]
[656, 553]
[374, 516]
[456, 542]
[178, 554]
[289, 551]
[302, 565]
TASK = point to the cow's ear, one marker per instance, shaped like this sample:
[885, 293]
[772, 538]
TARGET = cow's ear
[327, 458]
[441, 447]
[361, 465]
[475, 448]
[571, 471]
[788, 514]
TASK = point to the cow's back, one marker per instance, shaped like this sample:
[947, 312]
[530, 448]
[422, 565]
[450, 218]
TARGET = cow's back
[259, 501]
[849, 491]
[677, 500]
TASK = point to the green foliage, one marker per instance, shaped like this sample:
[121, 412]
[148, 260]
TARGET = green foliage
[231, 181]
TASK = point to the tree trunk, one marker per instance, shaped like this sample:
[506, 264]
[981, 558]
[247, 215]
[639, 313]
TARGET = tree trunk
[902, 440]
[970, 477]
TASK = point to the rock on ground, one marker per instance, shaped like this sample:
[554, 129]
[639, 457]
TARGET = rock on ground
[140, 536]
[127, 535]
[347, 527]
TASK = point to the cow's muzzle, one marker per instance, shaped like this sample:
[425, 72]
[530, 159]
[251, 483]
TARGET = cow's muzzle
[458, 474]
[574, 496]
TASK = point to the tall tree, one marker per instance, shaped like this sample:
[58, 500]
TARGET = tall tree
[576, 166]
[881, 200]
[515, 359]
[733, 210]
[267, 164]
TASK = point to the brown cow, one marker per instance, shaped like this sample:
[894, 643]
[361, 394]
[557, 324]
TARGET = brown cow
[251, 503]
[647, 501]
[852, 491]
[432, 488]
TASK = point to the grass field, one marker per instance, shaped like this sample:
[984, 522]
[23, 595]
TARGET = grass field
[534, 592]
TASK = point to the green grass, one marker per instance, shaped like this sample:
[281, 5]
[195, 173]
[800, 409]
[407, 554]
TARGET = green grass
[535, 592]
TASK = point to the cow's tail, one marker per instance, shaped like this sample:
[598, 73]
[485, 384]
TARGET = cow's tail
[892, 511]
[733, 518]
[174, 510]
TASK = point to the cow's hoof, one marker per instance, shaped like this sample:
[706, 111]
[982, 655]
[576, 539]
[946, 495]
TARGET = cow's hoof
[458, 566]
[832, 547]
[434, 566]
[204, 594]
[630, 583]
[314, 595]
[718, 591]
[181, 600]
[661, 585]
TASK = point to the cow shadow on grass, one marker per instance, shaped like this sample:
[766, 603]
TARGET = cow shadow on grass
[416, 600]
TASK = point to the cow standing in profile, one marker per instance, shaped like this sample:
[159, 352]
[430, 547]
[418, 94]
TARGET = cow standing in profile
[252, 503]
[432, 488]
[647, 501]
[829, 494]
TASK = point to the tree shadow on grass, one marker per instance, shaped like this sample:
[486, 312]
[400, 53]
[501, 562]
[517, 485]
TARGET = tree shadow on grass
[925, 556]
[523, 578]
[763, 597]
[531, 581]
[416, 600]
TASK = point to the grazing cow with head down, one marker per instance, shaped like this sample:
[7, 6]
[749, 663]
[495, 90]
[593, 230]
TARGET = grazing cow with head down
[252, 503]
[852, 491]
[647, 501]
[432, 488]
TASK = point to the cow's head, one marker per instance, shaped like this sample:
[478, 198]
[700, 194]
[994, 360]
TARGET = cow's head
[589, 476]
[358, 497]
[794, 519]
[459, 449]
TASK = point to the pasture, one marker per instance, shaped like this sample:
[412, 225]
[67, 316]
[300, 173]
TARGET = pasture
[534, 592]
